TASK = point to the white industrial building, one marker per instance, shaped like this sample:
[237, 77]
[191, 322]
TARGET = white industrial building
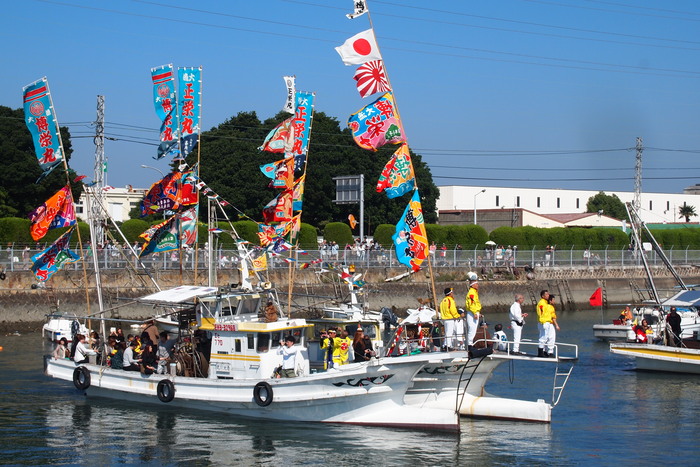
[117, 202]
[656, 208]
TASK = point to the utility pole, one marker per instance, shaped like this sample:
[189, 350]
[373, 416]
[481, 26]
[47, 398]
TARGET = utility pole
[95, 207]
[637, 203]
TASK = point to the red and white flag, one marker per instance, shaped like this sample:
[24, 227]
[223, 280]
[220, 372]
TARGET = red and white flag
[371, 78]
[359, 49]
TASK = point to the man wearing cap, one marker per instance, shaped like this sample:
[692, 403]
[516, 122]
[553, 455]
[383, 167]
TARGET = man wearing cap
[449, 313]
[474, 308]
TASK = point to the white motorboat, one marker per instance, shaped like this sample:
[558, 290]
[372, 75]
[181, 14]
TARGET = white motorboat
[60, 325]
[652, 357]
[239, 378]
[619, 331]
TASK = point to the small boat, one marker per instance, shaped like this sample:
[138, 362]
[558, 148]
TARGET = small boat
[59, 325]
[617, 330]
[652, 357]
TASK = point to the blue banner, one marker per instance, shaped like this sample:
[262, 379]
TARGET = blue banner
[165, 101]
[41, 121]
[410, 239]
[190, 106]
[303, 117]
[54, 257]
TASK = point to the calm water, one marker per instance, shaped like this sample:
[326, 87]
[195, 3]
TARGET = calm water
[607, 415]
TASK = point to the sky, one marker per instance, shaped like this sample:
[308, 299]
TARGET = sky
[515, 93]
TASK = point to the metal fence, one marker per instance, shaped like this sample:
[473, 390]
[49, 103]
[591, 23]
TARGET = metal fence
[19, 258]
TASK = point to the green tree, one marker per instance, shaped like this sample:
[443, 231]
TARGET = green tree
[687, 212]
[21, 169]
[608, 204]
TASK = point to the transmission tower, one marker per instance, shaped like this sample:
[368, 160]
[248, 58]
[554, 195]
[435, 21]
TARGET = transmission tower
[95, 205]
[637, 203]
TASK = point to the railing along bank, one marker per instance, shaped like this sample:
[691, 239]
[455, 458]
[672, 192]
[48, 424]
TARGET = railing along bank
[480, 260]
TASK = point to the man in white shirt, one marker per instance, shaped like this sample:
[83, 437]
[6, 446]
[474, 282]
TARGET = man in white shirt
[289, 357]
[82, 351]
[517, 321]
[131, 362]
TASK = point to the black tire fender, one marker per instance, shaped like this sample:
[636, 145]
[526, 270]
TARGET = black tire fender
[81, 378]
[166, 390]
[262, 394]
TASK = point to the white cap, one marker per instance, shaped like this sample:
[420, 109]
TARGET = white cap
[472, 276]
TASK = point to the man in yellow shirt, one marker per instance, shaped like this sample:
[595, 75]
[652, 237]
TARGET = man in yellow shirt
[449, 313]
[474, 311]
[544, 323]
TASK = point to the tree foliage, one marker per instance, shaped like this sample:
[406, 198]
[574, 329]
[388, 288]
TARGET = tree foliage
[19, 192]
[686, 212]
[338, 232]
[610, 205]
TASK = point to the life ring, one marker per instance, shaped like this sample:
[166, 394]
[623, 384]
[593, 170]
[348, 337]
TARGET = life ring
[262, 393]
[81, 378]
[165, 390]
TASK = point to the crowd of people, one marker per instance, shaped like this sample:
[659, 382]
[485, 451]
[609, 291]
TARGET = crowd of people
[150, 352]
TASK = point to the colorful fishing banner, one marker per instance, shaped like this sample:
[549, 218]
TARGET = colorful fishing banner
[290, 82]
[190, 103]
[279, 209]
[397, 178]
[301, 124]
[298, 194]
[56, 212]
[49, 261]
[175, 190]
[281, 172]
[371, 78]
[280, 138]
[188, 225]
[352, 221]
[40, 118]
[376, 124]
[410, 239]
[268, 233]
[260, 262]
[165, 101]
[161, 237]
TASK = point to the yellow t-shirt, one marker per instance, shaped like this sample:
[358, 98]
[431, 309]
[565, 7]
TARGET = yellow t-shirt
[448, 308]
[473, 303]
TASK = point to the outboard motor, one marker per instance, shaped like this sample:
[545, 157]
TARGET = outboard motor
[389, 318]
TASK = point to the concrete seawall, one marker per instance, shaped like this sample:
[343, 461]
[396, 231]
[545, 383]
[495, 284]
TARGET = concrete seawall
[24, 308]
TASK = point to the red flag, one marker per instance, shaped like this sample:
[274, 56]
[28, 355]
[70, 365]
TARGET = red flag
[597, 298]
[371, 78]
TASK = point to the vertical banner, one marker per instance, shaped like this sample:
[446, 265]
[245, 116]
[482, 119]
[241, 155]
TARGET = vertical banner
[410, 239]
[165, 101]
[302, 127]
[40, 119]
[290, 82]
[190, 102]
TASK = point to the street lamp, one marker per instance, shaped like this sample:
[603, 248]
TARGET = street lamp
[475, 195]
[143, 166]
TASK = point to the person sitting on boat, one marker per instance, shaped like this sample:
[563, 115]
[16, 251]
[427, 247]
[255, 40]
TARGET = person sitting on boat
[474, 308]
[120, 335]
[61, 351]
[626, 316]
[449, 314]
[116, 361]
[640, 333]
[149, 360]
[289, 357]
[271, 314]
[165, 352]
[150, 332]
[362, 347]
[131, 361]
[500, 338]
[82, 350]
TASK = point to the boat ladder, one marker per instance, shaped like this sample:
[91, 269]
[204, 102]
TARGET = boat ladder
[465, 377]
[561, 377]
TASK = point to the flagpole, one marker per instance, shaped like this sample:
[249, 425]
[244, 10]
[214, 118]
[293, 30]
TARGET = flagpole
[405, 137]
[77, 227]
[199, 154]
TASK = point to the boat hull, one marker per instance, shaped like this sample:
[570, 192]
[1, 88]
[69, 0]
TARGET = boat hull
[613, 332]
[359, 394]
[651, 357]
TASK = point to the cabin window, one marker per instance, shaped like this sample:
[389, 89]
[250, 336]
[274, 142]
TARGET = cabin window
[276, 338]
[248, 306]
[238, 345]
[263, 342]
[251, 341]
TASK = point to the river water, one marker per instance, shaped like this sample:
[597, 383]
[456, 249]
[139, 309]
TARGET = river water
[609, 414]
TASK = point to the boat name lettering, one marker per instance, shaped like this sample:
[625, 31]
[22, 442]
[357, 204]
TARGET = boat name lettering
[224, 327]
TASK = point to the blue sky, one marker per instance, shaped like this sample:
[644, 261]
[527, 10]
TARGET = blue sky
[523, 93]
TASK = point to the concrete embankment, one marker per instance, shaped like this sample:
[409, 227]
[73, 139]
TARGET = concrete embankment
[23, 306]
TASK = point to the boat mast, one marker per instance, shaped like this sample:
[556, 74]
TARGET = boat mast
[636, 223]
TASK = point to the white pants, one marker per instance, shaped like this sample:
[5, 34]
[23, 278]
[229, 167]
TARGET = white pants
[472, 325]
[517, 333]
[450, 332]
[548, 336]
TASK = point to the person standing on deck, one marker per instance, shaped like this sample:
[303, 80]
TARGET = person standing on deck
[517, 321]
[474, 308]
[541, 306]
[449, 313]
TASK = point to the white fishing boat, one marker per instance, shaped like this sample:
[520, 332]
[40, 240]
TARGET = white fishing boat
[238, 377]
[663, 358]
[59, 325]
[617, 330]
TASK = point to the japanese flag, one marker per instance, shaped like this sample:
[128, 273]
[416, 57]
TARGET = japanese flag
[359, 49]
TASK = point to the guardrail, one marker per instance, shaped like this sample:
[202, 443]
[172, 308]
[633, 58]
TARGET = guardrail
[13, 259]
